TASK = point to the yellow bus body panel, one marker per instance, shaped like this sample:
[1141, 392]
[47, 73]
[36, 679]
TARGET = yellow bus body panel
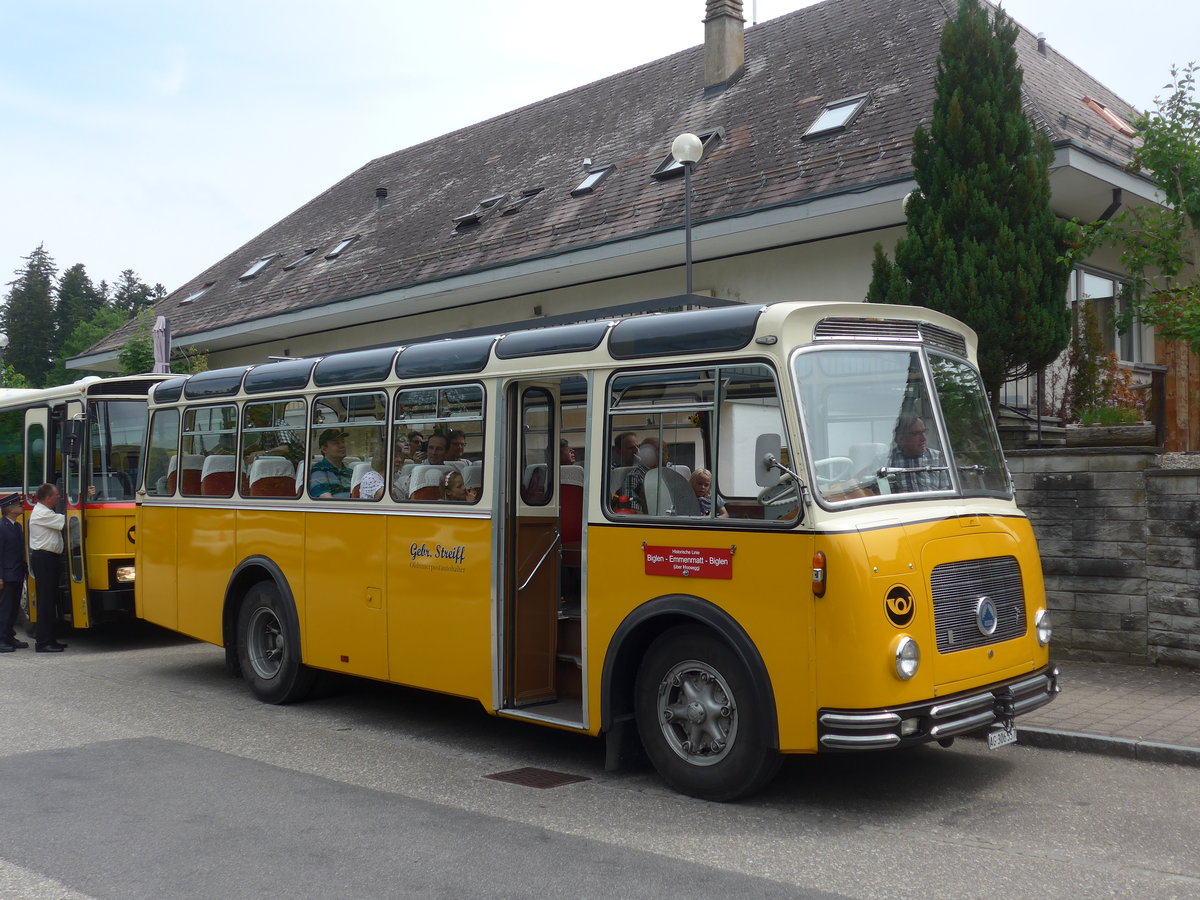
[856, 649]
[769, 596]
[107, 538]
[206, 556]
[345, 616]
[156, 594]
[439, 588]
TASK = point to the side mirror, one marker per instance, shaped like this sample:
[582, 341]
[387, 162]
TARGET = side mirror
[73, 437]
[766, 453]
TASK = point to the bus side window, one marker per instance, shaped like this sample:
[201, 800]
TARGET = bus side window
[163, 457]
[348, 446]
[207, 466]
[438, 444]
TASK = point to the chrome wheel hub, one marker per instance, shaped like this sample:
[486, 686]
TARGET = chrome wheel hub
[697, 713]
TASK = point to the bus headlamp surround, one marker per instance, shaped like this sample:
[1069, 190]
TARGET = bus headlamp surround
[1043, 626]
[908, 657]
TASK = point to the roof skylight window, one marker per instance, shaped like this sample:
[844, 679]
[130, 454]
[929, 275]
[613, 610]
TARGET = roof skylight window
[1109, 116]
[299, 259]
[192, 298]
[836, 116]
[257, 267]
[341, 247]
[526, 196]
[670, 167]
[480, 212]
[592, 180]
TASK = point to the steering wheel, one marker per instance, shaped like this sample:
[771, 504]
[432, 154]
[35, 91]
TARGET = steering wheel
[783, 493]
[838, 468]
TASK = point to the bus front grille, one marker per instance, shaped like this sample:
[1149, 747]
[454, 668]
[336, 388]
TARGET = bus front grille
[961, 613]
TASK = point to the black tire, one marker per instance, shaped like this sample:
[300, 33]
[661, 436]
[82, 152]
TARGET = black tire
[701, 724]
[268, 636]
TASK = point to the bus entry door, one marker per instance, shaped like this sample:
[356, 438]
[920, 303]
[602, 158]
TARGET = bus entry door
[73, 442]
[532, 546]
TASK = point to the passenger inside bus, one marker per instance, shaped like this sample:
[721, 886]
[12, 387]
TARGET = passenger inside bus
[416, 446]
[330, 477]
[370, 487]
[458, 446]
[625, 450]
[701, 482]
[634, 485]
[435, 449]
[454, 488]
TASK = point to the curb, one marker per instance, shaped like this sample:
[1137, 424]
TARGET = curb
[1127, 748]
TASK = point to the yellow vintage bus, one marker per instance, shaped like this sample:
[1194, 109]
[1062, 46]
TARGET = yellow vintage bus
[87, 438]
[719, 536]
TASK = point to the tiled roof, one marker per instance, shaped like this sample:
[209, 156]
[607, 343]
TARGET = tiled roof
[794, 66]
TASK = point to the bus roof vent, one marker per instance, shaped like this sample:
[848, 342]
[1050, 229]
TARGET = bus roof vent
[355, 367]
[169, 391]
[846, 328]
[462, 356]
[673, 334]
[217, 383]
[285, 375]
[558, 339]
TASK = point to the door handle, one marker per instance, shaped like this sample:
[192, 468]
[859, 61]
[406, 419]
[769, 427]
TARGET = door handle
[549, 550]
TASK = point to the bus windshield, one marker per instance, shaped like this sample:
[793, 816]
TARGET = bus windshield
[893, 424]
[116, 429]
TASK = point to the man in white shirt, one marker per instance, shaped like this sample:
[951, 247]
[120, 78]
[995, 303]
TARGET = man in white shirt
[45, 559]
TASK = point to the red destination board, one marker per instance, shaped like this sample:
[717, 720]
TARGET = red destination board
[690, 562]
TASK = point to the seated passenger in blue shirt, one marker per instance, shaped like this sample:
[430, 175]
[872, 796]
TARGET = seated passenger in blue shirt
[330, 476]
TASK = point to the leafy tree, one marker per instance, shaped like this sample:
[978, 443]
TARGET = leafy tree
[982, 242]
[137, 356]
[11, 378]
[104, 322]
[1160, 245]
[28, 317]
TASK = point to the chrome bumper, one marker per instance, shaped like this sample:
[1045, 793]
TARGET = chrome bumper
[935, 720]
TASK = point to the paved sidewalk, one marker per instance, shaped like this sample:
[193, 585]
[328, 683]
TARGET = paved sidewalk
[1140, 712]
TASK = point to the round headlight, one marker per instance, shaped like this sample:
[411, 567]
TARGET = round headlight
[1041, 624]
[908, 658]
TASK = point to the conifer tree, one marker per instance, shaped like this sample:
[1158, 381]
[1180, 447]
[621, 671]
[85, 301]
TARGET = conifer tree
[982, 242]
[76, 301]
[132, 295]
[28, 317]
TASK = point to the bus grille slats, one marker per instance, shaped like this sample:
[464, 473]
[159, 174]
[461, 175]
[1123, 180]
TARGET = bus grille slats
[844, 328]
[956, 588]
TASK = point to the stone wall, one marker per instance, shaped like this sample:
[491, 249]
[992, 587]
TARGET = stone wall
[1119, 539]
[1173, 565]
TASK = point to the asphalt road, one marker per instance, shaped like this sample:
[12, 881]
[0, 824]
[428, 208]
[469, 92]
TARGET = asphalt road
[131, 767]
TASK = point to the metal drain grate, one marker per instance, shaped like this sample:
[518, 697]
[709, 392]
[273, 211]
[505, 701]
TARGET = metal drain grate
[538, 778]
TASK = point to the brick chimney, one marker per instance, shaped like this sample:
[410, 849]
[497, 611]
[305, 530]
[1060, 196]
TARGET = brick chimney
[724, 43]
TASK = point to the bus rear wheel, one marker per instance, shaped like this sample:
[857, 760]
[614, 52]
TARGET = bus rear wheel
[269, 647]
[699, 721]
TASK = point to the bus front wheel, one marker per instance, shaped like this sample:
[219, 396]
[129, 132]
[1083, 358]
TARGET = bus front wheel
[698, 718]
[269, 647]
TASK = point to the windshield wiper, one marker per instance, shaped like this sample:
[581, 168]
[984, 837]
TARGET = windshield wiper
[885, 471]
[976, 469]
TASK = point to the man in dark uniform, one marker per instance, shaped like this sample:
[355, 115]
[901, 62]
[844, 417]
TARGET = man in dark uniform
[12, 571]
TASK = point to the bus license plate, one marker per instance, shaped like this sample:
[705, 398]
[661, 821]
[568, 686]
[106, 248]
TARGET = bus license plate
[1001, 737]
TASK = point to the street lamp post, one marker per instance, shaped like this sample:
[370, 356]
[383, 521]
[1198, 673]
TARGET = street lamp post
[3, 348]
[687, 149]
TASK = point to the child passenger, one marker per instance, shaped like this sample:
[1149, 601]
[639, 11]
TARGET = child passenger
[455, 489]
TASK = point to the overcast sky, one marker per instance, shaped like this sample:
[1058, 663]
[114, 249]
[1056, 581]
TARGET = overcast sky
[160, 136]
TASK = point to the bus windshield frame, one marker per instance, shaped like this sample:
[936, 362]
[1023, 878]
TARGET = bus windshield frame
[887, 423]
[116, 433]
